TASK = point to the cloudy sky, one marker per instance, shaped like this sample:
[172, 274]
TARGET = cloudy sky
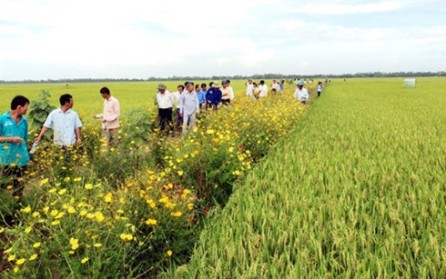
[41, 39]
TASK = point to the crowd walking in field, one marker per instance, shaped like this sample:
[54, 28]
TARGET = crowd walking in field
[177, 111]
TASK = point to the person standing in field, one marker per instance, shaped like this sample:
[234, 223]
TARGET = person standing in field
[165, 102]
[319, 88]
[255, 90]
[263, 89]
[227, 94]
[201, 95]
[301, 93]
[249, 88]
[189, 107]
[65, 123]
[213, 96]
[109, 118]
[14, 156]
[282, 86]
[178, 119]
[275, 87]
[231, 91]
[204, 91]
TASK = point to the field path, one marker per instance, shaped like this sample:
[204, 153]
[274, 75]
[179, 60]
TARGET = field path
[359, 188]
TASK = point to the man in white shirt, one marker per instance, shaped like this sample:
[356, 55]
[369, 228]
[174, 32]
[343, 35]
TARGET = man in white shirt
[178, 119]
[65, 122]
[263, 89]
[249, 88]
[227, 95]
[165, 101]
[301, 93]
[189, 107]
[109, 118]
[275, 87]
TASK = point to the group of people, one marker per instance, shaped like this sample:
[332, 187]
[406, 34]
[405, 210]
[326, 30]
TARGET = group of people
[66, 126]
[182, 106]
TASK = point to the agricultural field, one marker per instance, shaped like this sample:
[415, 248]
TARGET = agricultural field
[138, 209]
[358, 189]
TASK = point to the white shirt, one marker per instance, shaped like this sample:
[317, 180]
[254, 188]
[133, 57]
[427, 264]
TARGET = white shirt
[176, 97]
[249, 89]
[263, 90]
[111, 113]
[301, 95]
[231, 93]
[166, 100]
[189, 103]
[276, 86]
[64, 125]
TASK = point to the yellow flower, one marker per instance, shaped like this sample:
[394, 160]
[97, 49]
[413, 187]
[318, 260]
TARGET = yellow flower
[151, 222]
[176, 214]
[21, 261]
[190, 206]
[43, 182]
[67, 179]
[28, 229]
[55, 223]
[180, 172]
[88, 186]
[77, 179]
[99, 216]
[169, 253]
[33, 257]
[84, 260]
[108, 197]
[71, 210]
[2, 230]
[125, 236]
[97, 245]
[83, 212]
[74, 243]
[54, 212]
[26, 209]
[63, 191]
[210, 132]
[36, 245]
[11, 258]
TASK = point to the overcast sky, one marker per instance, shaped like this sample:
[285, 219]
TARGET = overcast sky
[41, 39]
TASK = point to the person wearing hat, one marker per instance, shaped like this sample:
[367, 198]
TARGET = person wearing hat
[109, 118]
[165, 101]
[227, 93]
[213, 96]
[301, 93]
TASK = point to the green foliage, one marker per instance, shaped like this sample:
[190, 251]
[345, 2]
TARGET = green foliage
[38, 112]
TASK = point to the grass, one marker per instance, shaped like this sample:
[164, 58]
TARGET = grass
[357, 190]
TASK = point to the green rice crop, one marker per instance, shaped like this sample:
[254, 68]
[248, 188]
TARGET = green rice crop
[357, 190]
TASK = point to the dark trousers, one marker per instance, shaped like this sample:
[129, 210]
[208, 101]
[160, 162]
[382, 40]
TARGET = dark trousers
[12, 177]
[165, 118]
[319, 93]
[226, 102]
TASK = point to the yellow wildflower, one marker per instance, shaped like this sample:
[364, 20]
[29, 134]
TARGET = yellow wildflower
[151, 222]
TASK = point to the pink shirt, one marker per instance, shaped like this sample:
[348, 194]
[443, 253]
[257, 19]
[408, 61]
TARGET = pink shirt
[111, 113]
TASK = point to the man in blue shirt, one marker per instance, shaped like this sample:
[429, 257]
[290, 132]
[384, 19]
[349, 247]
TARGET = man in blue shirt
[14, 156]
[213, 96]
[201, 94]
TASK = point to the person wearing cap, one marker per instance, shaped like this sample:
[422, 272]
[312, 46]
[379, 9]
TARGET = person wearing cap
[213, 96]
[263, 89]
[301, 93]
[227, 94]
[109, 118]
[165, 101]
[189, 107]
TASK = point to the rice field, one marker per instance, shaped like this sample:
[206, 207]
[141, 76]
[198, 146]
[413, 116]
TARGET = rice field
[358, 189]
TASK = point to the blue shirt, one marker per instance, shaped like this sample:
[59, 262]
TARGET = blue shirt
[214, 96]
[64, 125]
[201, 96]
[11, 153]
